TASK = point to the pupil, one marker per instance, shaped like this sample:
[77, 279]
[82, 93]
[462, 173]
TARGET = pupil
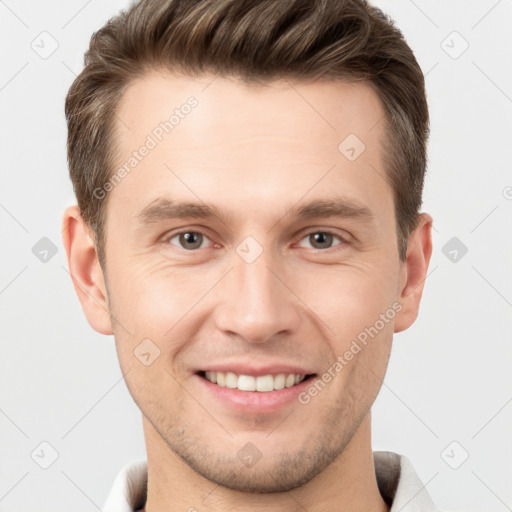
[323, 239]
[193, 239]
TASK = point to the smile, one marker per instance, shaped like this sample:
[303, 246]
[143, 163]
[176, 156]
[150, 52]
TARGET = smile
[261, 383]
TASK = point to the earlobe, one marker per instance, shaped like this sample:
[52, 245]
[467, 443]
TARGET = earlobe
[414, 272]
[85, 270]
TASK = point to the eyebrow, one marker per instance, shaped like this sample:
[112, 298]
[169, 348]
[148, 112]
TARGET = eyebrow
[162, 209]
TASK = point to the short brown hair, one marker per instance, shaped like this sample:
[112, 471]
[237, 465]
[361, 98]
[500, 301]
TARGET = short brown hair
[256, 41]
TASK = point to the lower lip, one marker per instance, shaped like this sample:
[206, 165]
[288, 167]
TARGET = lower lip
[255, 401]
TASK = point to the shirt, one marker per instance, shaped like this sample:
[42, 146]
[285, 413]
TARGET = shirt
[397, 480]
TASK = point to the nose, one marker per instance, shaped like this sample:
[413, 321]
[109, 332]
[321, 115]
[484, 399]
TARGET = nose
[256, 302]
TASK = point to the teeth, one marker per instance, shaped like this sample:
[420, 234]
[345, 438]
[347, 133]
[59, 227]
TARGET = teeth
[263, 383]
[221, 379]
[231, 380]
[279, 381]
[246, 383]
[290, 381]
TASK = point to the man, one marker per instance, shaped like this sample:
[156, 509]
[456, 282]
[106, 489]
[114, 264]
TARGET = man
[249, 177]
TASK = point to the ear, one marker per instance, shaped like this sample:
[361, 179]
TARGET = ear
[85, 270]
[414, 272]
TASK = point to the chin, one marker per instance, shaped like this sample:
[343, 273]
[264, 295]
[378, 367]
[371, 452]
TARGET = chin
[262, 472]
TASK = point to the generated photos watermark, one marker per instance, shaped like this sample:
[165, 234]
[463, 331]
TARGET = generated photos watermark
[356, 346]
[152, 140]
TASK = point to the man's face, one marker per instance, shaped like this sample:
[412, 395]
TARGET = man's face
[255, 289]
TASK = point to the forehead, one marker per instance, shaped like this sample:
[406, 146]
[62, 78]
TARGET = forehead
[216, 136]
[328, 107]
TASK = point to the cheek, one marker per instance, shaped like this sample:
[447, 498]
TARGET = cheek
[161, 302]
[364, 320]
[156, 297]
[349, 299]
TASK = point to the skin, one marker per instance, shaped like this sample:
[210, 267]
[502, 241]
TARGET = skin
[255, 152]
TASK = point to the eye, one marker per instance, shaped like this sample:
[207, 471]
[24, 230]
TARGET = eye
[322, 239]
[189, 240]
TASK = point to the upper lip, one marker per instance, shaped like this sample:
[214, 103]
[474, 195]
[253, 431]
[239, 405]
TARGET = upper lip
[256, 370]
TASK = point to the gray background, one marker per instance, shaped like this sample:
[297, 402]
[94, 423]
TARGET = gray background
[447, 394]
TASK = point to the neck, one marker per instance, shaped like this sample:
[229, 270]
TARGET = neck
[348, 483]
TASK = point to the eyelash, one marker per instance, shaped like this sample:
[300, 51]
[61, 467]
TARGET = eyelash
[343, 241]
